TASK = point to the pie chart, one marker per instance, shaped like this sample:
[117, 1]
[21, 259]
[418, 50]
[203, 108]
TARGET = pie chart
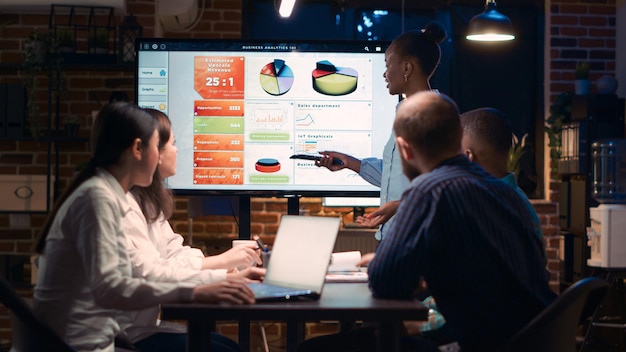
[276, 78]
[331, 80]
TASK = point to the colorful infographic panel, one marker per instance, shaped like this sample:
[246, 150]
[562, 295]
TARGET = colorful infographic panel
[241, 111]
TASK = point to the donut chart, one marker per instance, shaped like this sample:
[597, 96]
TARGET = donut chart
[331, 80]
[276, 78]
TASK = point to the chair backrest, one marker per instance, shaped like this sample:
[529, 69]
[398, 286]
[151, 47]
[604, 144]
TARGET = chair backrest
[28, 332]
[555, 328]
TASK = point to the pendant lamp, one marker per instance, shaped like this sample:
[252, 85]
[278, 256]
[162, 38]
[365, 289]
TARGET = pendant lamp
[490, 26]
[286, 7]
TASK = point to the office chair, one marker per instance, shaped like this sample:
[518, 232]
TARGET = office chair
[28, 332]
[555, 328]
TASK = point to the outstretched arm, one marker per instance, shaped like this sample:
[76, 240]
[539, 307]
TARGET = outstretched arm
[380, 216]
[232, 258]
[329, 160]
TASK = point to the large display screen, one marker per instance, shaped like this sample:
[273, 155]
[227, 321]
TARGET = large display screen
[241, 109]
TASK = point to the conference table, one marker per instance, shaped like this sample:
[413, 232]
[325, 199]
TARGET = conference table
[343, 302]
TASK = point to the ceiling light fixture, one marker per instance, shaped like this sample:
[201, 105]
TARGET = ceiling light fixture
[286, 6]
[490, 26]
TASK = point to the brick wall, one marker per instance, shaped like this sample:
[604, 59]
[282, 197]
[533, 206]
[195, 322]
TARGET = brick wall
[86, 90]
[579, 31]
[548, 214]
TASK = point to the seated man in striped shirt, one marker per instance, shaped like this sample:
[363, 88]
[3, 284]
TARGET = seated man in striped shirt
[487, 137]
[462, 230]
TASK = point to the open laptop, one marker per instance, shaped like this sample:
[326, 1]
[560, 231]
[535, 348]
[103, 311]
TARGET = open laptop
[300, 258]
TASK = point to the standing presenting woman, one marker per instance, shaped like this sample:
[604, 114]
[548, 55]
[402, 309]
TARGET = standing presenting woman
[411, 59]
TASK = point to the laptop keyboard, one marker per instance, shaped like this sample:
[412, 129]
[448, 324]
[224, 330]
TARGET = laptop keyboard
[264, 290]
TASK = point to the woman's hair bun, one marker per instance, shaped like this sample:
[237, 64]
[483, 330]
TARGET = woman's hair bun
[435, 32]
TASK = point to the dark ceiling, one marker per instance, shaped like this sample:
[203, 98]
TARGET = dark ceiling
[422, 4]
[414, 4]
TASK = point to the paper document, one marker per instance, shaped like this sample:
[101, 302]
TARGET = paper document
[344, 261]
[343, 268]
[347, 276]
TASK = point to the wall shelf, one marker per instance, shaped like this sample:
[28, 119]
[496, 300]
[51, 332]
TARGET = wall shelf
[80, 65]
[84, 29]
[592, 117]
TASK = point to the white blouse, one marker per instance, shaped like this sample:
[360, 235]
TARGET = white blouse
[157, 253]
[85, 275]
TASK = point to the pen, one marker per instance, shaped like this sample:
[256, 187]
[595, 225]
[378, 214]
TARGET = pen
[262, 246]
[314, 158]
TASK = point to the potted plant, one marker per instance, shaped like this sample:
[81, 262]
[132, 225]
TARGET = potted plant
[98, 40]
[582, 83]
[36, 47]
[65, 40]
[560, 112]
[71, 123]
[518, 148]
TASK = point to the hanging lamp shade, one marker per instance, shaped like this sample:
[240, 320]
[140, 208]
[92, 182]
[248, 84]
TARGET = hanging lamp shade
[286, 7]
[490, 26]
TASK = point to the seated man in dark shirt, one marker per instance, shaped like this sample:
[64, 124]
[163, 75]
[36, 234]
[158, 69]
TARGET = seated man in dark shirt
[464, 231]
[487, 141]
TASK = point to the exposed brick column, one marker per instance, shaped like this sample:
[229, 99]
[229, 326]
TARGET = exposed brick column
[580, 31]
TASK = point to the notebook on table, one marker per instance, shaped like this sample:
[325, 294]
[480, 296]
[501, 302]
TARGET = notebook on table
[300, 258]
[343, 268]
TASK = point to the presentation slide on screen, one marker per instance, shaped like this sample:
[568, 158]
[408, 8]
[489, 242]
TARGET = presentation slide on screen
[238, 117]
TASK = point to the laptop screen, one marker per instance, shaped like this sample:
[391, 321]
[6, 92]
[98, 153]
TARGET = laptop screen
[301, 251]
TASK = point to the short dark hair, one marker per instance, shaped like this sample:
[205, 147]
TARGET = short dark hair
[489, 127]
